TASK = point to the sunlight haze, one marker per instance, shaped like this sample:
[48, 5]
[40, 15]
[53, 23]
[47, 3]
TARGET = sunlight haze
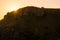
[10, 5]
[13, 8]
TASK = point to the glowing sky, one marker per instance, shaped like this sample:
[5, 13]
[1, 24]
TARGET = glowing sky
[7, 5]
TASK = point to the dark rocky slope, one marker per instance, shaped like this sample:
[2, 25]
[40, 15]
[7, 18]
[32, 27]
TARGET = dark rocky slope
[31, 23]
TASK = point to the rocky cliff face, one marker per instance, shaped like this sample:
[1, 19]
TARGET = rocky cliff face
[31, 23]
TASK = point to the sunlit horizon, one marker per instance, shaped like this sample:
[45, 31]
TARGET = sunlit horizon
[10, 5]
[13, 8]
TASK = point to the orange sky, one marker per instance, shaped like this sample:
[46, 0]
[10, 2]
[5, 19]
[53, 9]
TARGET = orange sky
[7, 5]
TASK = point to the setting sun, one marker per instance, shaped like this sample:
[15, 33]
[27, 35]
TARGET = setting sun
[13, 8]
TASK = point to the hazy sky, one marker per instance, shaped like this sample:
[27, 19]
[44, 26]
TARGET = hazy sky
[7, 5]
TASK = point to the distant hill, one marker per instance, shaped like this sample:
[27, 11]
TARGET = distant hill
[31, 23]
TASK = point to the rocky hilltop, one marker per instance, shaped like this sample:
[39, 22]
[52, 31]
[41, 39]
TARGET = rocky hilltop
[31, 23]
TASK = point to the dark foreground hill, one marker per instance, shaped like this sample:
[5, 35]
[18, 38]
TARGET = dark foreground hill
[31, 23]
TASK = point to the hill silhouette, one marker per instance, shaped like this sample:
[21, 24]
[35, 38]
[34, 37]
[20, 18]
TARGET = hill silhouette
[31, 23]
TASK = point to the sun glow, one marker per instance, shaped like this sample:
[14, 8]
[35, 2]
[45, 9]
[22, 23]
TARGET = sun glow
[13, 8]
